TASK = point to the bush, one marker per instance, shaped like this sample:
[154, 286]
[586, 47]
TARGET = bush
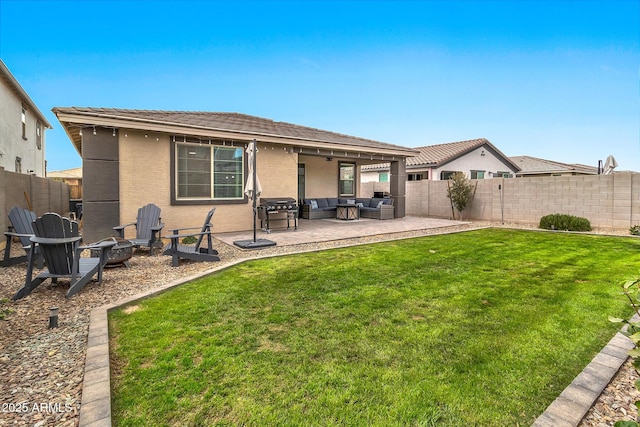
[635, 230]
[189, 240]
[460, 190]
[564, 222]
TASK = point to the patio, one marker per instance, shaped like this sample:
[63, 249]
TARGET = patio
[324, 230]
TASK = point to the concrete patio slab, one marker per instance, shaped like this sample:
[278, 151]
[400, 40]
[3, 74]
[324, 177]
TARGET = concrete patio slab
[323, 230]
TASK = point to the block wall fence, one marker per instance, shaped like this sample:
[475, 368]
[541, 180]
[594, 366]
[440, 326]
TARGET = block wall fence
[45, 195]
[607, 201]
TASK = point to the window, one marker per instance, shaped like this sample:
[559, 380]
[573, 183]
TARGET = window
[38, 135]
[383, 177]
[444, 175]
[346, 180]
[477, 174]
[24, 123]
[415, 177]
[502, 175]
[208, 172]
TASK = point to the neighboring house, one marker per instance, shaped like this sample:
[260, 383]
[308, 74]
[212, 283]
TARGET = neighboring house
[186, 162]
[477, 159]
[22, 128]
[73, 177]
[533, 166]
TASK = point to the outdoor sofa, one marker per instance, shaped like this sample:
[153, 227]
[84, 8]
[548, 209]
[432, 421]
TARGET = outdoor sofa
[376, 208]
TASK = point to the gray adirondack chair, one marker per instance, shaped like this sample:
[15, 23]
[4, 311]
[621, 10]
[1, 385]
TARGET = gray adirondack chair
[195, 252]
[148, 228]
[58, 239]
[21, 227]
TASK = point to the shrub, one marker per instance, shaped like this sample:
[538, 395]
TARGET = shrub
[635, 230]
[189, 240]
[564, 222]
[460, 190]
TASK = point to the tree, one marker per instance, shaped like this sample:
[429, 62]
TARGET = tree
[460, 190]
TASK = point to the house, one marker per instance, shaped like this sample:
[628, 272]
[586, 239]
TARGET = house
[22, 128]
[477, 159]
[533, 166]
[186, 162]
[73, 177]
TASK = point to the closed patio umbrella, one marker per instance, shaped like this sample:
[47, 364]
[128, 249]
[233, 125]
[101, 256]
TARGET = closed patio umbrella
[253, 181]
[253, 189]
[609, 165]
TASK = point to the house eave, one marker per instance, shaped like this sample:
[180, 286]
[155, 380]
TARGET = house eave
[114, 121]
[19, 90]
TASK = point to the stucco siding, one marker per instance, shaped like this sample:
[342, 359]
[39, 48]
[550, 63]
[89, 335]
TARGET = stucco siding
[11, 141]
[145, 177]
[474, 160]
[278, 171]
[479, 159]
[321, 176]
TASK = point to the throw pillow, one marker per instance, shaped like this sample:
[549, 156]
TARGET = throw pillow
[380, 203]
[360, 205]
[314, 204]
[351, 201]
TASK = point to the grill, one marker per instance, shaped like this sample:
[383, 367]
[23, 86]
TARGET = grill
[277, 209]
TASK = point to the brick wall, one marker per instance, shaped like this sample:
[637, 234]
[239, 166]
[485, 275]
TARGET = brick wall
[607, 201]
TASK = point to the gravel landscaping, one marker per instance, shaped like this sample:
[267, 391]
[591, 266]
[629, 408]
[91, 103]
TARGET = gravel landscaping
[42, 369]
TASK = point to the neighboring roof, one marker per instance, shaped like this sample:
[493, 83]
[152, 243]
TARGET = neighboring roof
[75, 173]
[535, 166]
[196, 123]
[433, 156]
[6, 75]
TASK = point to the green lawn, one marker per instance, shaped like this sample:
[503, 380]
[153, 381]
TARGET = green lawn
[478, 328]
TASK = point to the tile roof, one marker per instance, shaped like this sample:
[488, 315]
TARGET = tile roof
[535, 166]
[250, 126]
[439, 154]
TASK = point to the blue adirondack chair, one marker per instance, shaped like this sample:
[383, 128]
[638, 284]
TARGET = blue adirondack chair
[21, 227]
[58, 239]
[196, 252]
[148, 228]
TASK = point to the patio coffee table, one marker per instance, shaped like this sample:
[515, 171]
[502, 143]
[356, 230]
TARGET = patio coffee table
[347, 212]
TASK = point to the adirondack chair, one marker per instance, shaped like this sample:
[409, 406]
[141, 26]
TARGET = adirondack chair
[195, 252]
[148, 228]
[21, 227]
[59, 242]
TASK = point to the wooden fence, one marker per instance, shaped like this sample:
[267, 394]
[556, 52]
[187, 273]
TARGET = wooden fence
[29, 191]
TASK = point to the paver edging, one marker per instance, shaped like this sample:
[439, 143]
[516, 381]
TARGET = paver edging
[575, 401]
[95, 406]
[99, 391]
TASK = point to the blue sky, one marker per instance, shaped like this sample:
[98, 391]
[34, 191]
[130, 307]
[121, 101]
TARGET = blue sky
[552, 79]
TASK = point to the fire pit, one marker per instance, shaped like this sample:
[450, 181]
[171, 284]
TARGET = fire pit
[119, 254]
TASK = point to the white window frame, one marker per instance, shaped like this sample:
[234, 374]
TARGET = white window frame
[341, 180]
